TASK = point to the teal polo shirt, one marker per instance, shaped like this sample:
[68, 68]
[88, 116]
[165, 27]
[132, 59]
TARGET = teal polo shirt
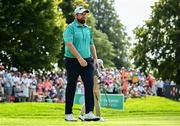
[81, 37]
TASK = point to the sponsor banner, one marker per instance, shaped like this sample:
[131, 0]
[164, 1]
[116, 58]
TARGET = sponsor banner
[107, 100]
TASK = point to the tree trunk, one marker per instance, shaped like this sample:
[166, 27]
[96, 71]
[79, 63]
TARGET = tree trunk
[178, 77]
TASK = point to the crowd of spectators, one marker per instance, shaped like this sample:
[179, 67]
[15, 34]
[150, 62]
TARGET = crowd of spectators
[132, 83]
[22, 86]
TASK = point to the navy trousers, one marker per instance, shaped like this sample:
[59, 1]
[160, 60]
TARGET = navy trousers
[74, 69]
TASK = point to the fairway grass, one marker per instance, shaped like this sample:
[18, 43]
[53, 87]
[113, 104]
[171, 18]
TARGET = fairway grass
[149, 111]
[127, 121]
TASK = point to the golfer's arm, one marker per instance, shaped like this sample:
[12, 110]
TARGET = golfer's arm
[93, 51]
[73, 50]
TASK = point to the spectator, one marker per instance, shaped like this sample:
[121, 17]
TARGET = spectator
[160, 85]
[8, 85]
[32, 88]
[40, 87]
[172, 83]
[60, 89]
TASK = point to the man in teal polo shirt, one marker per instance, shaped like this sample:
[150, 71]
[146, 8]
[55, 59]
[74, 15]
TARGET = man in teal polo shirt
[80, 54]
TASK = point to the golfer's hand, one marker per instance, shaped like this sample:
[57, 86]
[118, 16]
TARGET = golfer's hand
[82, 62]
[96, 63]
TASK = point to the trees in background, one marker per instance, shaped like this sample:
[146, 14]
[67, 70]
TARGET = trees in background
[109, 23]
[30, 33]
[158, 44]
[105, 50]
[67, 8]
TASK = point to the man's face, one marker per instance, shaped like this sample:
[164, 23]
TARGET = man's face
[81, 17]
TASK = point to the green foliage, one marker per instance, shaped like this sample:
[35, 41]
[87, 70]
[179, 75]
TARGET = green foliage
[108, 22]
[30, 33]
[67, 9]
[68, 6]
[104, 47]
[158, 44]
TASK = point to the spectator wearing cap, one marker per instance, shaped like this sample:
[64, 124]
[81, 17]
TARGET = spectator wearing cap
[80, 52]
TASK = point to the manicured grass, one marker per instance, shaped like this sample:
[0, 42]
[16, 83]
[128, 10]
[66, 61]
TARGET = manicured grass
[147, 111]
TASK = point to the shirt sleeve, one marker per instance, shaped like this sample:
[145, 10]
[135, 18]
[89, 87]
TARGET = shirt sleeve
[68, 34]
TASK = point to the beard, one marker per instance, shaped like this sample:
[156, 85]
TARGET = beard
[81, 21]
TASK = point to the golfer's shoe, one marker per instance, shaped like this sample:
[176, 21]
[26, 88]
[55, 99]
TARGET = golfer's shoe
[81, 117]
[90, 117]
[70, 117]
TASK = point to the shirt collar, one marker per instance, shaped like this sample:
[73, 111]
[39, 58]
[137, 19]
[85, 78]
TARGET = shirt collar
[79, 25]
